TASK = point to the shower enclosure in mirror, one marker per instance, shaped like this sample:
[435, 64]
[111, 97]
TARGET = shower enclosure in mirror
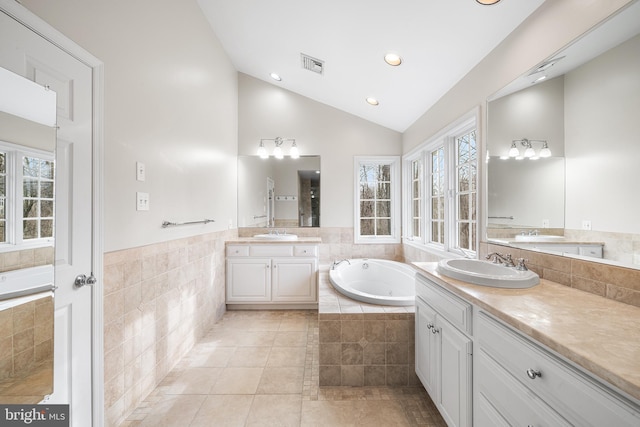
[27, 189]
[278, 193]
[584, 101]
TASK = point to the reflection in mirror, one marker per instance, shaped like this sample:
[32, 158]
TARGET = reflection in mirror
[587, 109]
[278, 193]
[27, 189]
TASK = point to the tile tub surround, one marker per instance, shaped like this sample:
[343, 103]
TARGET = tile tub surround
[363, 344]
[616, 283]
[158, 301]
[26, 258]
[337, 243]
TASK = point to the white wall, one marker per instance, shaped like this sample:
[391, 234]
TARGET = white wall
[170, 102]
[266, 111]
[602, 100]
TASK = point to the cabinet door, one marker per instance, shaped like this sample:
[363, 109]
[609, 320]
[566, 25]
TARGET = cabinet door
[426, 351]
[249, 280]
[455, 374]
[294, 280]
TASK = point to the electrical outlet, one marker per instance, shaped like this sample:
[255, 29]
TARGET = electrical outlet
[586, 224]
[545, 223]
[140, 171]
[142, 201]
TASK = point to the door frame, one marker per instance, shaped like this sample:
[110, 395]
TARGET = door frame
[46, 31]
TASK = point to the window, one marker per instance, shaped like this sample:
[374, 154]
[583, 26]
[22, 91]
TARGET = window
[378, 199]
[26, 197]
[440, 179]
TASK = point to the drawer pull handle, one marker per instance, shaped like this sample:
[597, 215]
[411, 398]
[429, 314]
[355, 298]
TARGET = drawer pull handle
[532, 373]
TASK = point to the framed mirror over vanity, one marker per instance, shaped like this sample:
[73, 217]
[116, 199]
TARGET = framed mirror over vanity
[582, 103]
[279, 193]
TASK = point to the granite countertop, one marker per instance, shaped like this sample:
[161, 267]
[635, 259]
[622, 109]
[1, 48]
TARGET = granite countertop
[596, 333]
[253, 240]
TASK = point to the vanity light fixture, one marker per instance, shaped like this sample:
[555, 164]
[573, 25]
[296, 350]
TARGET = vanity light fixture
[529, 152]
[278, 153]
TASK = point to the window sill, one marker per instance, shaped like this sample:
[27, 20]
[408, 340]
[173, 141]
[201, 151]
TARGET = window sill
[435, 250]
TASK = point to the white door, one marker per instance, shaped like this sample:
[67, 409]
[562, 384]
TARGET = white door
[28, 54]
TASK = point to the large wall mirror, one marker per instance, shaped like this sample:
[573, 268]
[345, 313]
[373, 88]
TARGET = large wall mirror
[278, 193]
[584, 102]
[27, 188]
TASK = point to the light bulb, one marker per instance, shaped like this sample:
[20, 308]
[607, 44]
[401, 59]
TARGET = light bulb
[262, 152]
[277, 153]
[513, 151]
[545, 152]
[529, 152]
[294, 153]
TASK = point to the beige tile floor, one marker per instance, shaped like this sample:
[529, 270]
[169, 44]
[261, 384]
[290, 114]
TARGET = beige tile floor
[260, 368]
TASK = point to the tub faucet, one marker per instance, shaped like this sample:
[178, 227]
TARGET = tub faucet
[505, 260]
[337, 263]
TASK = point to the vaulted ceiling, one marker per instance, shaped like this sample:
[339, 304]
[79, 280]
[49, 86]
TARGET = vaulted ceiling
[439, 41]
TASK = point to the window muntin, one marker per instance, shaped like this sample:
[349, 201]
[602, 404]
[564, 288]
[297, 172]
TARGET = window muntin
[466, 190]
[416, 198]
[438, 192]
[377, 201]
[3, 197]
[37, 198]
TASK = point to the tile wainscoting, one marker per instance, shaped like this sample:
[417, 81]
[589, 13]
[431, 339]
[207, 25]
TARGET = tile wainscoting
[158, 301]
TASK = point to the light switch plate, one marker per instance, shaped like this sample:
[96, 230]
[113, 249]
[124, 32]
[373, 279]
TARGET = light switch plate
[142, 201]
[140, 171]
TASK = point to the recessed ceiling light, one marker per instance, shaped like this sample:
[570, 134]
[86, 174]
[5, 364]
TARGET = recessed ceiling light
[276, 77]
[487, 2]
[539, 79]
[393, 59]
[372, 101]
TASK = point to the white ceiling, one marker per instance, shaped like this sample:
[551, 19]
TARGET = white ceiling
[439, 40]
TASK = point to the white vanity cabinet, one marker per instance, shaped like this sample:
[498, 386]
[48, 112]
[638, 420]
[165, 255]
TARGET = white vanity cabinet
[444, 351]
[518, 382]
[272, 274]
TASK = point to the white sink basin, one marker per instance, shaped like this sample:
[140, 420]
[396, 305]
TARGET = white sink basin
[539, 238]
[276, 236]
[487, 274]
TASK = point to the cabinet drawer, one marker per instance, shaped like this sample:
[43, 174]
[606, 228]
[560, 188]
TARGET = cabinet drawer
[577, 397]
[271, 250]
[237, 250]
[310, 251]
[513, 402]
[454, 309]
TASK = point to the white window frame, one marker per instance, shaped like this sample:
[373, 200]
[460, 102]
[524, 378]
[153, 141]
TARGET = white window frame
[396, 195]
[14, 198]
[446, 138]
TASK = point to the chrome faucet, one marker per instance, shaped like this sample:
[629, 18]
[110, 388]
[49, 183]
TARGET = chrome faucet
[337, 263]
[505, 260]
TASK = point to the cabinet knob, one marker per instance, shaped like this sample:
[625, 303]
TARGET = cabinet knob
[429, 325]
[435, 330]
[532, 373]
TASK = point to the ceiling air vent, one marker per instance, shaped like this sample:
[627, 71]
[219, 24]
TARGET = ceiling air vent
[312, 64]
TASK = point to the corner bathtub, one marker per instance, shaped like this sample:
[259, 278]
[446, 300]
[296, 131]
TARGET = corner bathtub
[375, 281]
